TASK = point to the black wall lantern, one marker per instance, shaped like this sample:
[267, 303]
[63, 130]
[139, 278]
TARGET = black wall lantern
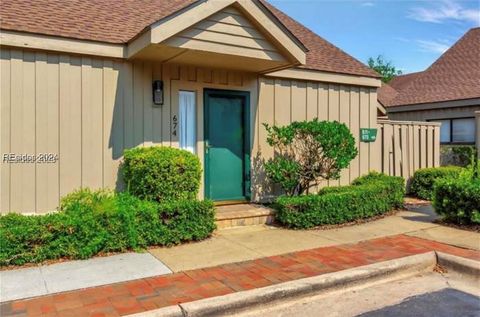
[157, 92]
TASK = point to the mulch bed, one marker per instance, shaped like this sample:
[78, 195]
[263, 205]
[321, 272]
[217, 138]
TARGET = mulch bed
[357, 222]
[416, 201]
[473, 228]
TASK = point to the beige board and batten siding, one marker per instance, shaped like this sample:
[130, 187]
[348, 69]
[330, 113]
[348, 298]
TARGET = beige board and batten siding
[282, 101]
[62, 105]
[87, 110]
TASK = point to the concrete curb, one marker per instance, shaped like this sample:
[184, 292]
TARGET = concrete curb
[236, 302]
[170, 311]
[459, 265]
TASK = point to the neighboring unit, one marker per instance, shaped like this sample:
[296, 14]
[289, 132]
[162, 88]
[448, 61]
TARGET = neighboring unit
[447, 92]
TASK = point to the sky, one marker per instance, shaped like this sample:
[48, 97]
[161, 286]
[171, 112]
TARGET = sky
[410, 33]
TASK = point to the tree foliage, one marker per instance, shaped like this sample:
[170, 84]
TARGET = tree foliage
[385, 68]
[307, 152]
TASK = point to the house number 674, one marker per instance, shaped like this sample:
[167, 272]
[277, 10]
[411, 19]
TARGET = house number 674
[175, 123]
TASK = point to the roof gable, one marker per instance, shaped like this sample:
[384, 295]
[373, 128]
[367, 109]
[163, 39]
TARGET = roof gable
[227, 31]
[229, 28]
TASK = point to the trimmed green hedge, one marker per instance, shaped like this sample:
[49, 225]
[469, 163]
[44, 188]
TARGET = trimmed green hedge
[424, 179]
[161, 173]
[458, 200]
[98, 222]
[368, 196]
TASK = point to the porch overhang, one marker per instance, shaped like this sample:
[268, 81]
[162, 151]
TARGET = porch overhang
[235, 34]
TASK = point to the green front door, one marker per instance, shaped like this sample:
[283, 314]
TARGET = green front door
[227, 160]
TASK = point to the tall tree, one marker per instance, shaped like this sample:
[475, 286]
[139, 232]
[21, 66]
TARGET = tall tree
[384, 68]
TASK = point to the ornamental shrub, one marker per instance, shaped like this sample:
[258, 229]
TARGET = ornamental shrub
[424, 179]
[284, 171]
[307, 152]
[161, 173]
[458, 200]
[368, 196]
[93, 222]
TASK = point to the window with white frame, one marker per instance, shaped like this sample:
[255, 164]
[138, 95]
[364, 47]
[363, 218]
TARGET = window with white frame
[461, 130]
[187, 121]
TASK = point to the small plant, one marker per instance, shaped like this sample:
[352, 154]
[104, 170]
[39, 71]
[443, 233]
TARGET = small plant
[307, 152]
[424, 179]
[472, 171]
[458, 200]
[161, 173]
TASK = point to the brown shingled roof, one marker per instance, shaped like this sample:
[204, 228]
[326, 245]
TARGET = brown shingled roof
[118, 21]
[401, 81]
[110, 21]
[386, 94]
[322, 55]
[454, 76]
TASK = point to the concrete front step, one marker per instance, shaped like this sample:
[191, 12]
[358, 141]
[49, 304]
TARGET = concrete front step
[243, 215]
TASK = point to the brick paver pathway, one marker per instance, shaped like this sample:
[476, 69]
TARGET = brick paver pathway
[155, 292]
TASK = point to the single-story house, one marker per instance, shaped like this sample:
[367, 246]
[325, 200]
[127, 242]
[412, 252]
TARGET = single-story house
[83, 80]
[447, 92]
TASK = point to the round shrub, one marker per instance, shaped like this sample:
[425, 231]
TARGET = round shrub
[458, 200]
[161, 173]
[424, 179]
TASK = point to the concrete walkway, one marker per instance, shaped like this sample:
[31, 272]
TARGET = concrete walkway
[66, 276]
[252, 242]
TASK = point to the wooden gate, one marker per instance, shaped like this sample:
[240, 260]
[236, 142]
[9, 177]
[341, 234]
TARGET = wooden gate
[407, 146]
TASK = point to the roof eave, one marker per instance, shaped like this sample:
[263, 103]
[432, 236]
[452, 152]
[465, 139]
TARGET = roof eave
[190, 15]
[467, 102]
